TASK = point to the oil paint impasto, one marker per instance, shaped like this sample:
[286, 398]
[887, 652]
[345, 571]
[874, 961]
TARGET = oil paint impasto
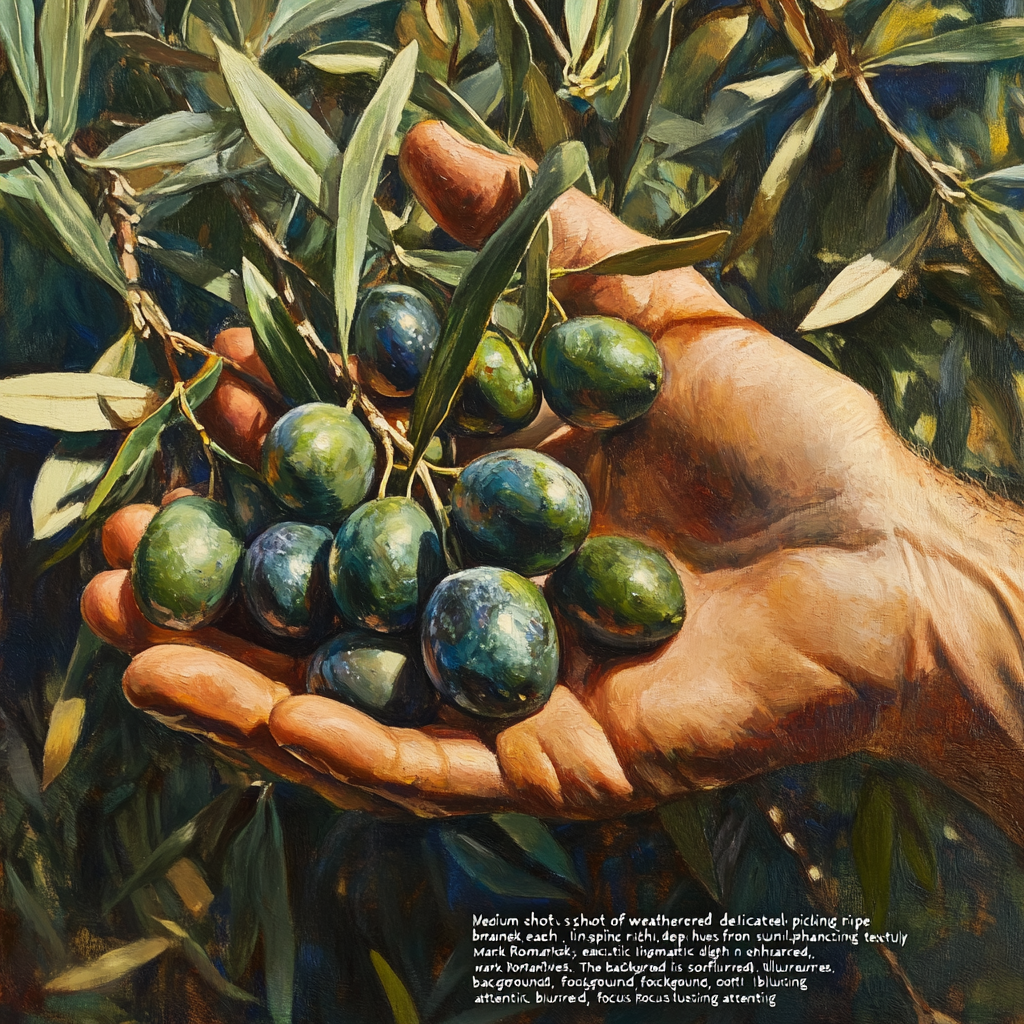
[511, 510]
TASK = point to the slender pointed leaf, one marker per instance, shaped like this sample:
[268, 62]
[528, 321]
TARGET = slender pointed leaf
[402, 1007]
[860, 286]
[110, 967]
[74, 222]
[34, 914]
[450, 107]
[275, 917]
[350, 56]
[1001, 250]
[446, 267]
[293, 368]
[904, 22]
[536, 284]
[18, 35]
[180, 843]
[915, 840]
[579, 20]
[156, 51]
[359, 175]
[241, 158]
[666, 255]
[296, 146]
[684, 822]
[20, 767]
[536, 840]
[75, 401]
[1007, 177]
[294, 16]
[136, 453]
[176, 138]
[64, 481]
[515, 57]
[197, 270]
[496, 873]
[784, 169]
[62, 42]
[545, 110]
[119, 358]
[481, 286]
[872, 841]
[992, 40]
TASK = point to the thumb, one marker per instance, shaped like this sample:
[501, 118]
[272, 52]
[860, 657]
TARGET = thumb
[469, 190]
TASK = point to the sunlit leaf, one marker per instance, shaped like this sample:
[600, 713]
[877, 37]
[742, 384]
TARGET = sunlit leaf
[480, 287]
[358, 183]
[296, 146]
[784, 169]
[872, 841]
[62, 43]
[1006, 177]
[293, 16]
[579, 20]
[18, 35]
[496, 873]
[176, 138]
[684, 821]
[535, 839]
[514, 56]
[119, 358]
[180, 843]
[110, 967]
[20, 767]
[666, 255]
[136, 453]
[156, 51]
[76, 401]
[293, 368]
[865, 282]
[197, 270]
[350, 56]
[34, 915]
[439, 265]
[992, 40]
[62, 734]
[65, 479]
[906, 21]
[402, 1007]
[1003, 252]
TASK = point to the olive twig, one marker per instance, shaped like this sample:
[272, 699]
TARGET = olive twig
[439, 512]
[389, 464]
[558, 306]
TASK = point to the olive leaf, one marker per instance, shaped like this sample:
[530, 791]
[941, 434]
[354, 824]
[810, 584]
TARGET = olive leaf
[110, 967]
[872, 841]
[76, 401]
[293, 368]
[446, 267]
[294, 16]
[514, 56]
[135, 455]
[861, 285]
[1003, 252]
[296, 146]
[18, 35]
[200, 960]
[903, 22]
[68, 712]
[648, 259]
[534, 838]
[1006, 177]
[495, 873]
[197, 270]
[436, 98]
[360, 172]
[62, 43]
[64, 480]
[156, 51]
[177, 138]
[991, 40]
[579, 20]
[784, 169]
[33, 913]
[686, 822]
[240, 158]
[402, 1007]
[350, 57]
[536, 285]
[484, 281]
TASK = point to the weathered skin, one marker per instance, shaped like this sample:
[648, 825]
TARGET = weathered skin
[490, 644]
[384, 563]
[843, 594]
[619, 593]
[184, 569]
[284, 580]
[499, 393]
[380, 675]
[319, 460]
[394, 336]
[599, 372]
[520, 509]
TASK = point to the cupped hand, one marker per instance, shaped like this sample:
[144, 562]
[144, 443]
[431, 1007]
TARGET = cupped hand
[842, 593]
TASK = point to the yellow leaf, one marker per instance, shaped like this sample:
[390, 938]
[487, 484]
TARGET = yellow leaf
[110, 967]
[61, 737]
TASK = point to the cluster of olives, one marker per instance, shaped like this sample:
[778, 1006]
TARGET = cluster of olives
[360, 576]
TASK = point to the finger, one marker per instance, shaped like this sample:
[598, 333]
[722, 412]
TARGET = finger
[561, 761]
[122, 532]
[211, 695]
[109, 609]
[428, 772]
[234, 415]
[469, 190]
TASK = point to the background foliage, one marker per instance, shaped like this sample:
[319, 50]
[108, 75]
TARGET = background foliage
[849, 174]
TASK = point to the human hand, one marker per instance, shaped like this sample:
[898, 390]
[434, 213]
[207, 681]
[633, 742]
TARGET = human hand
[842, 594]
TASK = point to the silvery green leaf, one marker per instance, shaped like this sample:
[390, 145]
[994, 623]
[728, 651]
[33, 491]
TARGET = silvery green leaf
[293, 16]
[75, 401]
[240, 158]
[62, 42]
[18, 34]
